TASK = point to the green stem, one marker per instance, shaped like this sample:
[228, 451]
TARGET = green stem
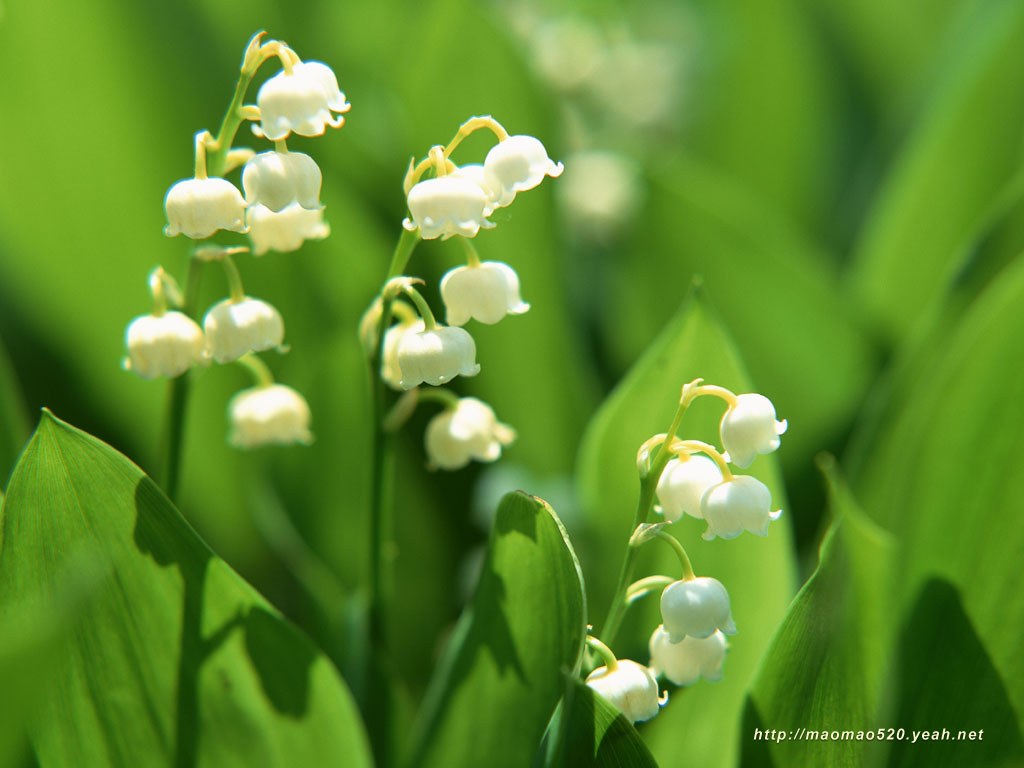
[472, 257]
[235, 288]
[261, 374]
[645, 503]
[378, 712]
[603, 651]
[177, 399]
[429, 322]
[216, 159]
[684, 560]
[645, 586]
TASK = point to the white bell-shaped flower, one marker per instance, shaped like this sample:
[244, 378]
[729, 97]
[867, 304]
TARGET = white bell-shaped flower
[630, 688]
[436, 356]
[285, 231]
[743, 503]
[485, 292]
[696, 608]
[197, 208]
[682, 484]
[390, 371]
[467, 431]
[273, 414]
[475, 172]
[278, 179]
[749, 427]
[517, 164]
[692, 658]
[234, 328]
[163, 346]
[447, 206]
[300, 101]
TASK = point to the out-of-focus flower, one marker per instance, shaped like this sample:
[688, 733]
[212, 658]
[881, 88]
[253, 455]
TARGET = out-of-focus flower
[630, 688]
[601, 192]
[682, 484]
[742, 503]
[163, 346]
[285, 231]
[234, 328]
[688, 660]
[273, 414]
[485, 292]
[301, 101]
[467, 431]
[198, 208]
[749, 427]
[278, 179]
[696, 608]
[436, 356]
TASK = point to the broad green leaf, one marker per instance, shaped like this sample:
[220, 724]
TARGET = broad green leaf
[497, 686]
[179, 659]
[937, 190]
[774, 289]
[825, 668]
[588, 732]
[698, 726]
[938, 472]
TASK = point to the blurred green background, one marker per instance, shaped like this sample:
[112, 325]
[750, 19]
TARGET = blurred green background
[843, 177]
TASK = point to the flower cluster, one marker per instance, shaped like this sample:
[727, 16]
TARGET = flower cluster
[446, 200]
[694, 478]
[280, 210]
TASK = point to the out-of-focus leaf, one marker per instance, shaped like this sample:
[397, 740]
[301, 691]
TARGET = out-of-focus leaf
[938, 472]
[936, 191]
[179, 660]
[825, 668]
[497, 686]
[588, 732]
[14, 425]
[759, 573]
[773, 289]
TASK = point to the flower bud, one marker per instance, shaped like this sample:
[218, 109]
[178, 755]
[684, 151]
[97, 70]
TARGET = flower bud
[278, 179]
[446, 206]
[468, 431]
[515, 165]
[274, 414]
[740, 504]
[685, 662]
[301, 101]
[630, 688]
[234, 328]
[682, 483]
[749, 428]
[163, 346]
[285, 231]
[696, 608]
[436, 356]
[485, 292]
[197, 208]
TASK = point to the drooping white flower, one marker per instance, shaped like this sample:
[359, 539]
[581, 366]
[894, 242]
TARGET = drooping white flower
[300, 101]
[285, 231]
[163, 346]
[630, 688]
[692, 658]
[234, 328]
[390, 370]
[749, 428]
[601, 192]
[485, 292]
[743, 503]
[517, 164]
[278, 179]
[436, 356]
[682, 484]
[696, 608]
[197, 208]
[447, 206]
[273, 414]
[468, 431]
